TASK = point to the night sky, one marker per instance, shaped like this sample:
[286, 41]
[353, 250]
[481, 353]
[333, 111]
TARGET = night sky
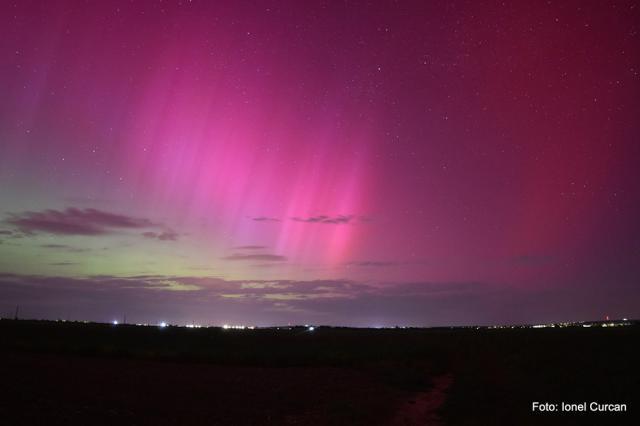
[344, 162]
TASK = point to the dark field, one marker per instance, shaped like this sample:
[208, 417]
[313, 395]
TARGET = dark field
[56, 373]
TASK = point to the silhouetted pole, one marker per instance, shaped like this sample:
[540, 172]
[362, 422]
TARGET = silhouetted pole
[17, 311]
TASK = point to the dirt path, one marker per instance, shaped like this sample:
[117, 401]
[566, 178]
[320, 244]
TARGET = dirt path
[422, 408]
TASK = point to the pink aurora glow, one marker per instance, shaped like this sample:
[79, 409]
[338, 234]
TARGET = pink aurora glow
[434, 142]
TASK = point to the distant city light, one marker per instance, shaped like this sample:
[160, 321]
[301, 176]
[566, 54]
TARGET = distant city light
[163, 324]
[311, 328]
[114, 322]
[237, 327]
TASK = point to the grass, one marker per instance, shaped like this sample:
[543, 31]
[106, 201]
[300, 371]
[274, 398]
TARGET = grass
[497, 373]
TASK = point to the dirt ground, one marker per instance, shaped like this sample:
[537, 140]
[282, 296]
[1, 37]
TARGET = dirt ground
[62, 390]
[70, 374]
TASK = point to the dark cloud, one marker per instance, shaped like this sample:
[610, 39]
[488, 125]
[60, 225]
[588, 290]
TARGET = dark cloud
[167, 235]
[332, 220]
[385, 263]
[262, 257]
[435, 288]
[13, 235]
[250, 247]
[212, 300]
[265, 219]
[55, 246]
[64, 247]
[73, 221]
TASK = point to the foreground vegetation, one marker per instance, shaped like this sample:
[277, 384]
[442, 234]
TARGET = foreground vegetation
[298, 376]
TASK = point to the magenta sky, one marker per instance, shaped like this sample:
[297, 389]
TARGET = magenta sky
[418, 163]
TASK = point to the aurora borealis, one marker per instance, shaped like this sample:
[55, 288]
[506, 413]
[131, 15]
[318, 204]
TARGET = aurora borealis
[413, 163]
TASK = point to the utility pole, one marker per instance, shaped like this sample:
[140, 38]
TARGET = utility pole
[17, 311]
